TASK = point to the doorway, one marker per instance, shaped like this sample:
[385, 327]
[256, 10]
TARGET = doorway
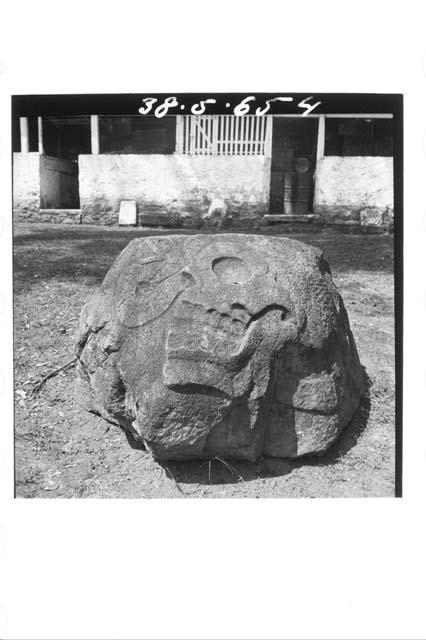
[294, 148]
[64, 138]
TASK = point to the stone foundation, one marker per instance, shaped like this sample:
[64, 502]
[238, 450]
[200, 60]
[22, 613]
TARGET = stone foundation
[60, 216]
[356, 216]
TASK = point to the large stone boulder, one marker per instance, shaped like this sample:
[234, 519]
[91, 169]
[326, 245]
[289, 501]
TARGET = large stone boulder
[220, 345]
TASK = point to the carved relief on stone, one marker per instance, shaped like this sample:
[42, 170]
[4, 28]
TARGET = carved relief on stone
[232, 345]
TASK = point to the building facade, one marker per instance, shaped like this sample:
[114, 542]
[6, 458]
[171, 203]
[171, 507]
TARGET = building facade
[336, 168]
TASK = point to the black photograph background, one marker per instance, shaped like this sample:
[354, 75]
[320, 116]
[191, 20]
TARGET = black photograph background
[66, 127]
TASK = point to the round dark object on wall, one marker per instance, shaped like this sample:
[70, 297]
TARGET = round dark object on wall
[302, 165]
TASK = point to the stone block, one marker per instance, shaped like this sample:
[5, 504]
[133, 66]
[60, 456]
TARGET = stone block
[159, 219]
[372, 216]
[127, 215]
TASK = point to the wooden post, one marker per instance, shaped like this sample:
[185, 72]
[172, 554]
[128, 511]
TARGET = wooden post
[321, 138]
[94, 132]
[192, 121]
[25, 143]
[179, 134]
[268, 137]
[40, 134]
[232, 148]
[215, 135]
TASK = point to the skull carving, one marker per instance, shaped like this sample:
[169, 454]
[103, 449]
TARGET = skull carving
[232, 345]
[215, 324]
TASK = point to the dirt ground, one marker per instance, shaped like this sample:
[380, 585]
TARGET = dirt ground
[63, 452]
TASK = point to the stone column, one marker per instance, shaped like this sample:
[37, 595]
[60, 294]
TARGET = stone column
[94, 131]
[321, 138]
[40, 134]
[25, 144]
[179, 134]
[268, 136]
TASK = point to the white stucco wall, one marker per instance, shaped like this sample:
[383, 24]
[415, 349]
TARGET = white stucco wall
[180, 185]
[345, 186]
[26, 183]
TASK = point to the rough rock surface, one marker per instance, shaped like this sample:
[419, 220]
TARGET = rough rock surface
[220, 345]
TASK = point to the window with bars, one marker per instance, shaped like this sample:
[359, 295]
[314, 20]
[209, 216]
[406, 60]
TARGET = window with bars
[224, 135]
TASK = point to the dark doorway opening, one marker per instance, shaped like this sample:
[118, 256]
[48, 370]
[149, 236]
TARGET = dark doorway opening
[294, 148]
[63, 140]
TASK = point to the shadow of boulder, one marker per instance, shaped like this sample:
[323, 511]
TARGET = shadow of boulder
[228, 471]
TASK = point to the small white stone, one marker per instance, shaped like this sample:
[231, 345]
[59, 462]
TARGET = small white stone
[127, 215]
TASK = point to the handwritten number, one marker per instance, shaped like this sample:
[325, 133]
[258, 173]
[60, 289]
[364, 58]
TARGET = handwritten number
[244, 107]
[261, 112]
[163, 109]
[148, 105]
[199, 107]
[240, 110]
[308, 107]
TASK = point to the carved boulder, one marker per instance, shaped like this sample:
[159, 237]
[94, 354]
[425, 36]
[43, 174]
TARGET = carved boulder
[220, 345]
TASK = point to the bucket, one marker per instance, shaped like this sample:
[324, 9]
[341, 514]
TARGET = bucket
[303, 197]
[303, 193]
